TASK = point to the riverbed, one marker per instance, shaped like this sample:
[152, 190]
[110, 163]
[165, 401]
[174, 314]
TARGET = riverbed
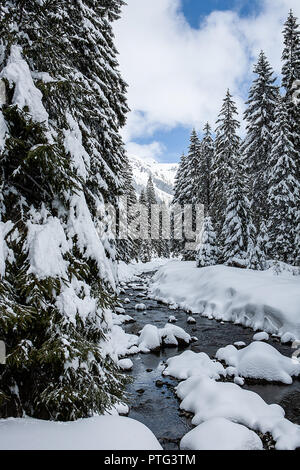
[151, 396]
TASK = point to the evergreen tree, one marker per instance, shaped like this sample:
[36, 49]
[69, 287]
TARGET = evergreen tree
[291, 52]
[208, 253]
[284, 190]
[207, 151]
[257, 243]
[61, 158]
[236, 222]
[259, 115]
[177, 242]
[291, 75]
[226, 154]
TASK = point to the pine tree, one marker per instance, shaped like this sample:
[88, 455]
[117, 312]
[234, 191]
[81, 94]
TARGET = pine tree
[284, 190]
[145, 250]
[208, 253]
[236, 223]
[290, 76]
[291, 52]
[226, 154]
[259, 115]
[207, 151]
[257, 243]
[61, 158]
[176, 211]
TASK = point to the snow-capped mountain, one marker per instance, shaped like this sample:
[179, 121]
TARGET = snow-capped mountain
[163, 176]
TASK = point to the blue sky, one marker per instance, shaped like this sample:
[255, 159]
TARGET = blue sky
[180, 56]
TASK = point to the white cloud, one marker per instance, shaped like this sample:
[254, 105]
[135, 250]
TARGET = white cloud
[148, 151]
[178, 75]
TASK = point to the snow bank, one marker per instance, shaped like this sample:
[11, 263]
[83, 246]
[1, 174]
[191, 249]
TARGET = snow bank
[221, 434]
[129, 272]
[208, 399]
[260, 361]
[190, 364]
[123, 344]
[259, 300]
[98, 433]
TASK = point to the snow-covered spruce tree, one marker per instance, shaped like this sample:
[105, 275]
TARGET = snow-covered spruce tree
[127, 245]
[291, 74]
[226, 154]
[190, 194]
[284, 190]
[145, 245]
[235, 232]
[208, 252]
[177, 243]
[257, 243]
[206, 157]
[259, 115]
[61, 157]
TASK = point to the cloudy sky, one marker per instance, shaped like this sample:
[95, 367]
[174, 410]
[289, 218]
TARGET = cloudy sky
[180, 56]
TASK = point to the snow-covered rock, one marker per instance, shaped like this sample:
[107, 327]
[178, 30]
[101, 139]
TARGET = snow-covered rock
[208, 399]
[124, 344]
[140, 307]
[256, 299]
[172, 319]
[189, 364]
[172, 335]
[263, 336]
[221, 434]
[191, 320]
[149, 339]
[260, 361]
[97, 433]
[120, 310]
[239, 344]
[125, 364]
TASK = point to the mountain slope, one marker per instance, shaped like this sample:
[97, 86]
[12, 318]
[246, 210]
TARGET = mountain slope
[163, 176]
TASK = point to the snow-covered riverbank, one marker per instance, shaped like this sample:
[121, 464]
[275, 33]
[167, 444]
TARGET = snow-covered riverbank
[260, 300]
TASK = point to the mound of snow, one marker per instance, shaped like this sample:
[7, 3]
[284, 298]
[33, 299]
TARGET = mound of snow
[256, 299]
[129, 272]
[208, 399]
[123, 344]
[190, 363]
[191, 320]
[263, 336]
[221, 434]
[125, 364]
[97, 433]
[149, 339]
[260, 361]
[172, 335]
[152, 338]
[140, 307]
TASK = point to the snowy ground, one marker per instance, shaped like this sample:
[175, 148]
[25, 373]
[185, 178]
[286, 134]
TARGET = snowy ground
[261, 300]
[129, 272]
[98, 433]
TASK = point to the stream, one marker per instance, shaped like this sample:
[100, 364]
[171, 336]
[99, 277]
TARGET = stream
[152, 399]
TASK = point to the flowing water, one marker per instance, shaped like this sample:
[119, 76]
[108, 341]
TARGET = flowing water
[152, 399]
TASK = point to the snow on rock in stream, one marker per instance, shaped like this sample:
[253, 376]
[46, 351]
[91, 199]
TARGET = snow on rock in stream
[149, 339]
[124, 344]
[208, 399]
[140, 307]
[260, 361]
[152, 338]
[190, 364]
[97, 433]
[125, 364]
[263, 336]
[172, 319]
[260, 300]
[221, 434]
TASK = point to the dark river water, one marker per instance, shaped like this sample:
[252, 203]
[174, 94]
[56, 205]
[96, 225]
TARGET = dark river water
[155, 404]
